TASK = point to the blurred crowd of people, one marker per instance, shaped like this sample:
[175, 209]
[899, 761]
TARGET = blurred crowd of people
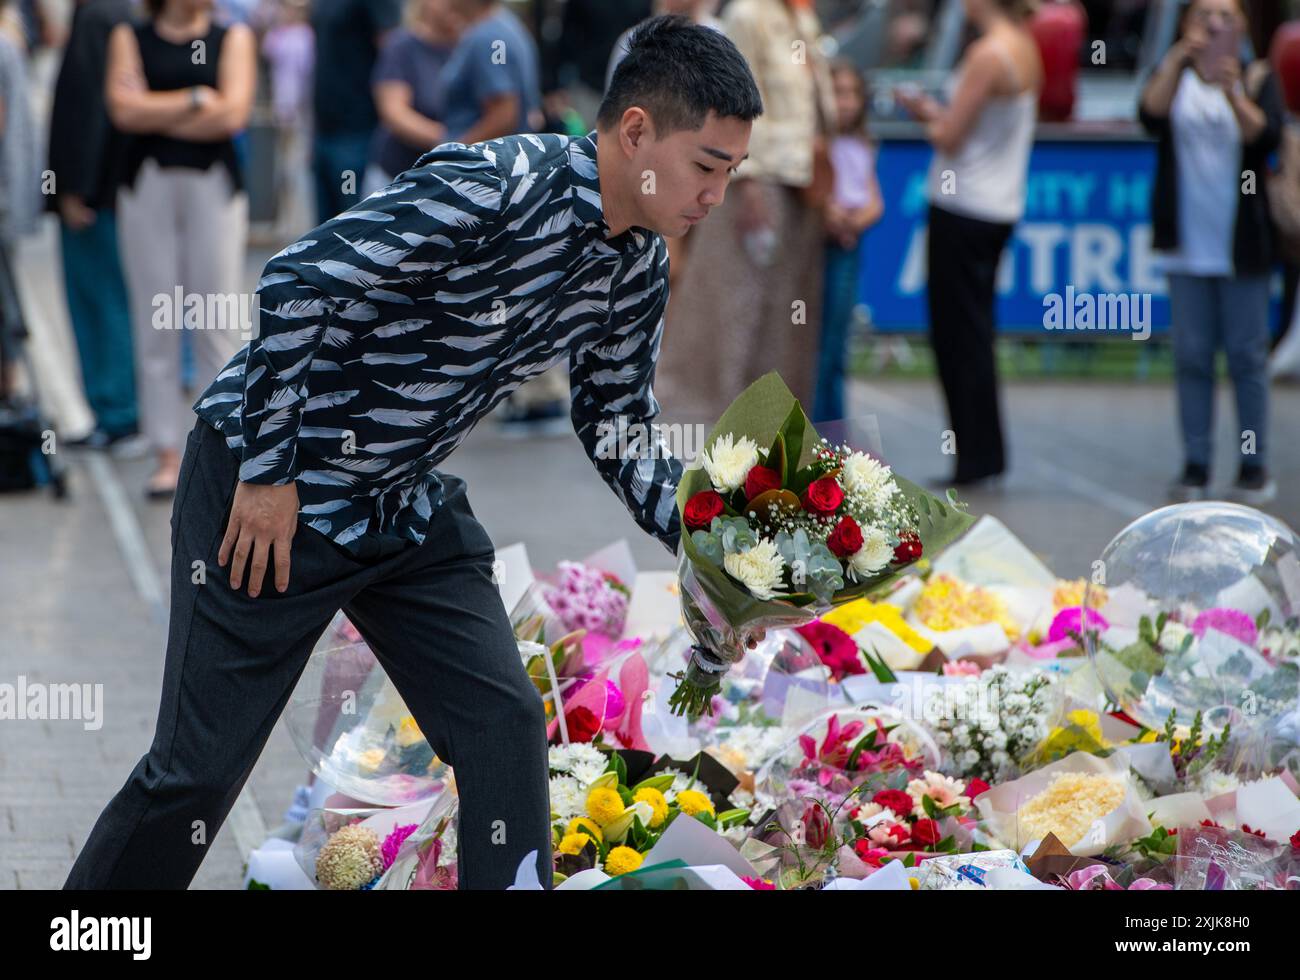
[148, 148]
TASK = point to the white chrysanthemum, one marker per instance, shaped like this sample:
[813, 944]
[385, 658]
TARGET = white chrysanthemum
[728, 462]
[1214, 782]
[1172, 636]
[874, 554]
[587, 772]
[868, 478]
[758, 569]
[568, 797]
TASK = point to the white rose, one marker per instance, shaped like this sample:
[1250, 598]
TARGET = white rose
[759, 569]
[729, 463]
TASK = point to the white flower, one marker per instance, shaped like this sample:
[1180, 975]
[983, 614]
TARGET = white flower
[758, 569]
[969, 758]
[1212, 782]
[729, 463]
[568, 797]
[998, 739]
[1172, 636]
[874, 554]
[868, 478]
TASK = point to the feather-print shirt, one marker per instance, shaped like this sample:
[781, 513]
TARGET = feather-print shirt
[384, 334]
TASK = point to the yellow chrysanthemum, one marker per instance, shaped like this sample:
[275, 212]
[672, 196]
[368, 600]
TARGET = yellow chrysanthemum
[370, 760]
[692, 801]
[1069, 593]
[1089, 722]
[604, 805]
[656, 800]
[854, 615]
[947, 604]
[408, 732]
[621, 860]
[583, 825]
[573, 843]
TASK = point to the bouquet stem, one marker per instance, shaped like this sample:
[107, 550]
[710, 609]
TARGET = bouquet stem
[696, 687]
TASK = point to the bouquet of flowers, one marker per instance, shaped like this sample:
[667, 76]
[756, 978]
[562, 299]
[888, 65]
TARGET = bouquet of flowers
[773, 537]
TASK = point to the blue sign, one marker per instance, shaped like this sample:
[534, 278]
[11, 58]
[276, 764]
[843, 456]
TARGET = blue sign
[1083, 245]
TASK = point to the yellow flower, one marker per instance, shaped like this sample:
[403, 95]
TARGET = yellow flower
[585, 826]
[1069, 593]
[604, 805]
[947, 604]
[656, 800]
[691, 802]
[573, 843]
[1147, 736]
[408, 732]
[1089, 722]
[853, 616]
[621, 860]
[370, 760]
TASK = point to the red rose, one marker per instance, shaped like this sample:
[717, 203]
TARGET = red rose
[845, 539]
[702, 509]
[975, 787]
[1295, 841]
[822, 496]
[898, 834]
[926, 832]
[868, 853]
[909, 547]
[896, 800]
[760, 480]
[582, 723]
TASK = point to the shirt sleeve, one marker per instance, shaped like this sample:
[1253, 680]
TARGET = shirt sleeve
[359, 270]
[614, 405]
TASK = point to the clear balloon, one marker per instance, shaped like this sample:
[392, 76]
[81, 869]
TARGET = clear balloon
[1192, 610]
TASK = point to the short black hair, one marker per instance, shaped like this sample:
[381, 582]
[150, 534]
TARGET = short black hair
[678, 72]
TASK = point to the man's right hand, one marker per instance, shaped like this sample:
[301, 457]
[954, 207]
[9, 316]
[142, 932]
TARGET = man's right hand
[262, 519]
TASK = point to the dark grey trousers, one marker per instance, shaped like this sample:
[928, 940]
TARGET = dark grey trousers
[431, 613]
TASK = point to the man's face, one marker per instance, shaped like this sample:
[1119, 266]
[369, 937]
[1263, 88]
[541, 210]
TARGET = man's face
[682, 177]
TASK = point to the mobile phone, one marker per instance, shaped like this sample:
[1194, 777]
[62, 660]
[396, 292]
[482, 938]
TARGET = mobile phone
[1225, 41]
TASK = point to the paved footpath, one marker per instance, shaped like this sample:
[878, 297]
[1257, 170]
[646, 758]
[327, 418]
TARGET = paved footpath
[82, 582]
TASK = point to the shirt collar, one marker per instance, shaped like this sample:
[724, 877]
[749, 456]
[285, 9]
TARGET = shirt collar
[587, 206]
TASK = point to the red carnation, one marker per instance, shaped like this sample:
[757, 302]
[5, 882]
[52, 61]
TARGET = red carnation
[894, 799]
[845, 539]
[582, 723]
[909, 547]
[926, 832]
[760, 480]
[823, 496]
[975, 787]
[702, 509]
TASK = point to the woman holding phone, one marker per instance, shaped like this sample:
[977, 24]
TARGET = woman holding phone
[1217, 121]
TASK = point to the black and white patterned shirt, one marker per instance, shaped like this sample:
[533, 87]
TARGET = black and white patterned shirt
[386, 333]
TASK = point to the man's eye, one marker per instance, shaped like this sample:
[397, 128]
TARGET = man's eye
[707, 170]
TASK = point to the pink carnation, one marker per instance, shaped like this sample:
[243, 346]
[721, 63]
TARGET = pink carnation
[1234, 622]
[1070, 620]
[393, 842]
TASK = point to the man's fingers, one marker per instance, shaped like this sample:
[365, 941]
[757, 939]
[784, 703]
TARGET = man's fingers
[282, 545]
[257, 570]
[239, 558]
[228, 542]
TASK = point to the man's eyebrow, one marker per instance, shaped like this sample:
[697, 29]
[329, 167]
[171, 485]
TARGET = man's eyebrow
[721, 155]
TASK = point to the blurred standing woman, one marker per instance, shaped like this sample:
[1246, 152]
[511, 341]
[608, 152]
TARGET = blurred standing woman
[1217, 124]
[750, 299]
[409, 91]
[976, 187]
[182, 86]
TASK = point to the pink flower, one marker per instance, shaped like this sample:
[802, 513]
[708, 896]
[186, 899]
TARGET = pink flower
[961, 668]
[393, 842]
[1234, 622]
[835, 648]
[1069, 620]
[758, 884]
